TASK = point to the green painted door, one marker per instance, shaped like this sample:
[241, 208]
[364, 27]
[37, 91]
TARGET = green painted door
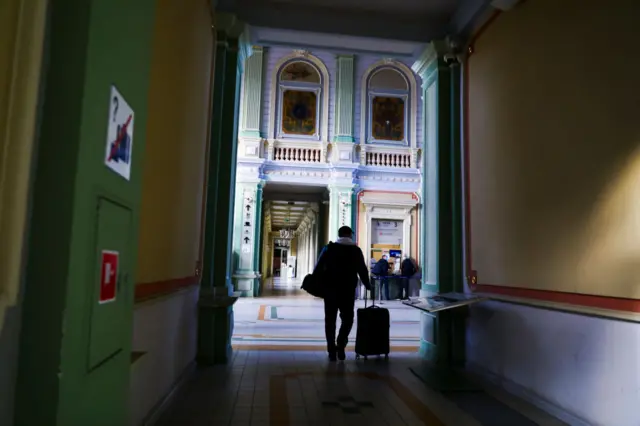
[110, 284]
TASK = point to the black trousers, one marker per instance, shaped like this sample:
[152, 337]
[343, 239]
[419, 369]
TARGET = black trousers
[345, 304]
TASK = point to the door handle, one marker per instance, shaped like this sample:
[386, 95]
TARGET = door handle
[123, 278]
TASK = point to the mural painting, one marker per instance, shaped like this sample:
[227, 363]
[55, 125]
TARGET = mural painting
[387, 122]
[299, 112]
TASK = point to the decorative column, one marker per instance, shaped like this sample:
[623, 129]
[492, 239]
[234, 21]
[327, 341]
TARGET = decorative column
[343, 124]
[427, 68]
[305, 260]
[215, 319]
[246, 232]
[310, 260]
[314, 241]
[340, 209]
[343, 137]
[443, 333]
[251, 105]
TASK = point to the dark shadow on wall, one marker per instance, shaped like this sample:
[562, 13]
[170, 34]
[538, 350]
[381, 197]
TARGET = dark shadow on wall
[9, 343]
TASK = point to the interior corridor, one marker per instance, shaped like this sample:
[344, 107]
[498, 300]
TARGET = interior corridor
[170, 171]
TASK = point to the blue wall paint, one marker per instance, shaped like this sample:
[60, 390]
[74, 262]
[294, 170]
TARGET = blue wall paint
[362, 63]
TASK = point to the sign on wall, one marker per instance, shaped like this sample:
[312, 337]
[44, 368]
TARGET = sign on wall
[108, 276]
[119, 135]
[386, 231]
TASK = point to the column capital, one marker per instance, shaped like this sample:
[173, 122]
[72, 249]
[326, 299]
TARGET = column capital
[430, 58]
[229, 24]
[334, 188]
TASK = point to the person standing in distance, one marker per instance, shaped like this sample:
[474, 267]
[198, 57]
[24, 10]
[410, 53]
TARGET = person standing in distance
[340, 264]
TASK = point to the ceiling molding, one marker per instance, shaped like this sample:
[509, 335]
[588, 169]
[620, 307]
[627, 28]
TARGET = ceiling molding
[335, 43]
[354, 22]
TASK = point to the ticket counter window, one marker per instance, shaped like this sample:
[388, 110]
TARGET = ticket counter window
[386, 239]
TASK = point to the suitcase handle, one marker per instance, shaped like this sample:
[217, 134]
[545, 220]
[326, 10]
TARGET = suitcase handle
[373, 299]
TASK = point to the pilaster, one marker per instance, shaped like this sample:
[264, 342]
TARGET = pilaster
[343, 121]
[251, 104]
[340, 208]
[215, 320]
[443, 333]
[427, 68]
[246, 234]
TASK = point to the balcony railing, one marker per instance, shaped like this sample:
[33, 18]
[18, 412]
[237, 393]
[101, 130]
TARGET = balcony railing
[389, 156]
[297, 152]
[316, 153]
[384, 159]
[298, 155]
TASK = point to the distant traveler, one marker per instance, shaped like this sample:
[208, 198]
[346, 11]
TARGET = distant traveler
[381, 270]
[339, 266]
[407, 270]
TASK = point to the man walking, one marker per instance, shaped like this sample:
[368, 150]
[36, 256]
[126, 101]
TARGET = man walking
[339, 266]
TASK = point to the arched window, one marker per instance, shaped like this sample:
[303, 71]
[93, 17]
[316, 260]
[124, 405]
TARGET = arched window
[299, 100]
[388, 94]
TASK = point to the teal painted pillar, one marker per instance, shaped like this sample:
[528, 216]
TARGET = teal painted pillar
[427, 67]
[257, 253]
[340, 208]
[343, 121]
[215, 320]
[442, 333]
[246, 276]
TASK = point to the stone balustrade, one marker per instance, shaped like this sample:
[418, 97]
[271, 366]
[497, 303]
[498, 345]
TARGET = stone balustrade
[299, 155]
[297, 152]
[316, 153]
[383, 156]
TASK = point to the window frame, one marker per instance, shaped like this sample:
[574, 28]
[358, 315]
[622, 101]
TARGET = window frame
[283, 85]
[405, 95]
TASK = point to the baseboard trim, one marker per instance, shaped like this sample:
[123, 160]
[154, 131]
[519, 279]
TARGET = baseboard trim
[527, 396]
[159, 409]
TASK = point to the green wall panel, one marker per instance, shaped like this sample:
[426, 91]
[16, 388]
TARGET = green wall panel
[91, 46]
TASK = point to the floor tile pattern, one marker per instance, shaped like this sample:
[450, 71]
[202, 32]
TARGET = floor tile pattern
[279, 375]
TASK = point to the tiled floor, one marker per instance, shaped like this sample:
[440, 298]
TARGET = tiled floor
[280, 376]
[287, 317]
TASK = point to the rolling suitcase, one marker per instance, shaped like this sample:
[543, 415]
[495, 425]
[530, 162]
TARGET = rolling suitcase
[372, 333]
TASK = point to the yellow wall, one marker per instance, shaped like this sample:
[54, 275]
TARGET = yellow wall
[174, 169]
[555, 148]
[22, 29]
[22, 25]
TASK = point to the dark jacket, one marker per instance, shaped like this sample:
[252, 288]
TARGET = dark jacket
[407, 268]
[339, 266]
[381, 268]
